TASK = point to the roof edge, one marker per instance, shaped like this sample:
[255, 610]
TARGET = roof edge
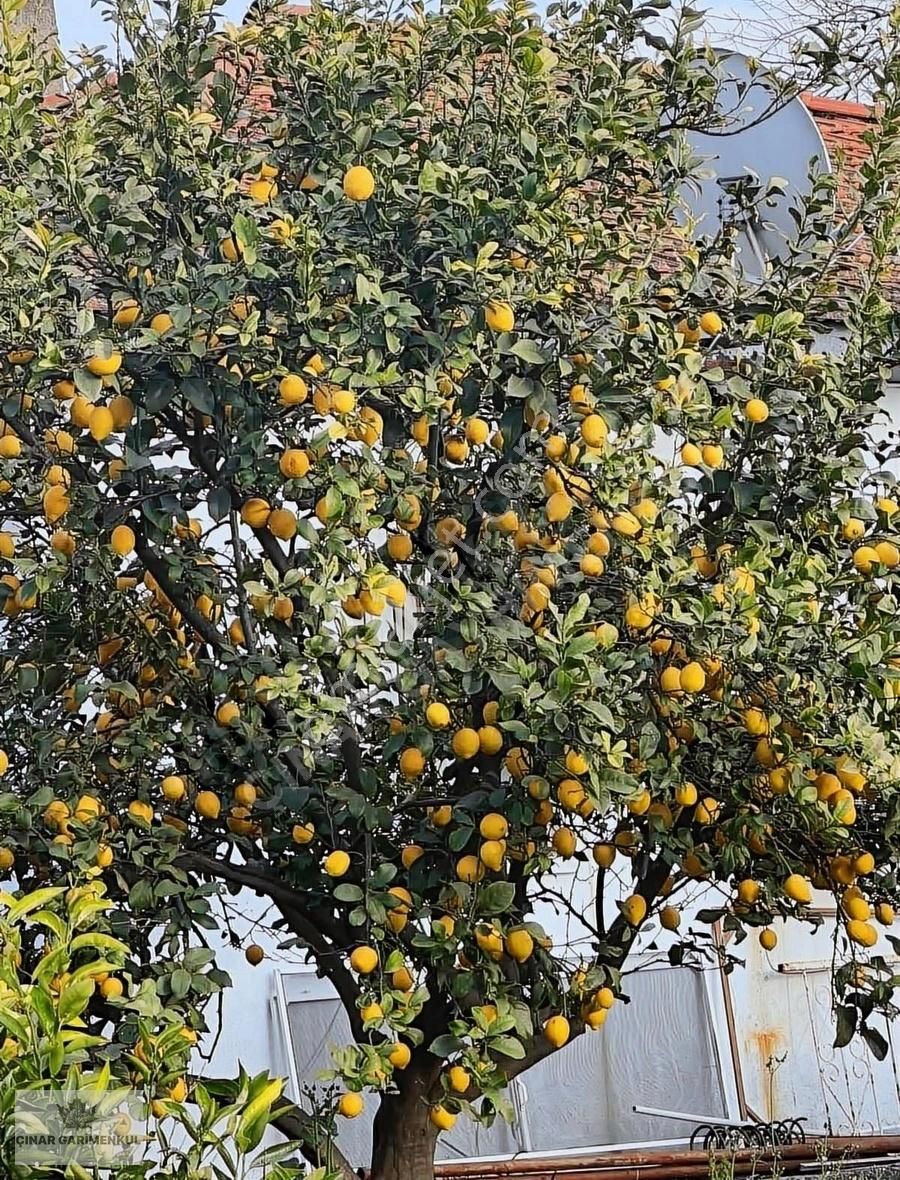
[819, 105]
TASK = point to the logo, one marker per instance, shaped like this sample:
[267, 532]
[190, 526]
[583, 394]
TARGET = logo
[92, 1128]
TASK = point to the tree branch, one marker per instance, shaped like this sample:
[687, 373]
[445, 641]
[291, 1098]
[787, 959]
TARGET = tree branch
[318, 1149]
[317, 935]
[620, 934]
[540, 1049]
[210, 634]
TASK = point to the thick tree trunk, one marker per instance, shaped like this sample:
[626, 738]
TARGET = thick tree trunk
[404, 1138]
[38, 17]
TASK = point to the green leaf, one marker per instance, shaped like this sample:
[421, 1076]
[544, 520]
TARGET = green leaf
[445, 1046]
[528, 351]
[878, 1046]
[180, 983]
[520, 387]
[74, 999]
[16, 1026]
[348, 892]
[32, 901]
[255, 1116]
[140, 896]
[52, 921]
[95, 967]
[496, 898]
[508, 1047]
[199, 395]
[846, 1016]
[87, 384]
[459, 838]
[43, 1005]
[219, 503]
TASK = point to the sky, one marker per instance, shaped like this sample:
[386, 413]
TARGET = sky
[81, 23]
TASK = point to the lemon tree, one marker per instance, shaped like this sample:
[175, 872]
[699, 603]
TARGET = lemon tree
[396, 507]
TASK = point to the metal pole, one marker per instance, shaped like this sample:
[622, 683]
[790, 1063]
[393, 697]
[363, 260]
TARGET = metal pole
[279, 1001]
[622, 1165]
[699, 1120]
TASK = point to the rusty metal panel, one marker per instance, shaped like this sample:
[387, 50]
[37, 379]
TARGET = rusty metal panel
[785, 1029]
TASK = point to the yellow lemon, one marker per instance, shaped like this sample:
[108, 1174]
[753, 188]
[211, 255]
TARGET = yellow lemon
[336, 863]
[466, 743]
[292, 390]
[410, 854]
[756, 410]
[499, 316]
[692, 677]
[173, 788]
[399, 547]
[861, 933]
[594, 430]
[442, 1118]
[255, 512]
[798, 889]
[713, 455]
[864, 558]
[516, 762]
[294, 463]
[469, 869]
[492, 854]
[711, 323]
[104, 366]
[437, 715]
[519, 945]
[864, 864]
[262, 191]
[350, 1105]
[207, 804]
[556, 1031]
[493, 827]
[122, 540]
[634, 909]
[228, 713]
[477, 431]
[564, 842]
[604, 855]
[358, 183]
[490, 740]
[364, 960]
[400, 1055]
[669, 917]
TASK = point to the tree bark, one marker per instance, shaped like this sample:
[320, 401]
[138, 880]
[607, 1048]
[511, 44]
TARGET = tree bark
[38, 17]
[404, 1138]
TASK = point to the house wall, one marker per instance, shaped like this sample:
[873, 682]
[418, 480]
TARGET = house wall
[669, 1048]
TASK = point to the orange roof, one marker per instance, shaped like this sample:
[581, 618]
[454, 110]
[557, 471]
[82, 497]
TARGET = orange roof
[842, 126]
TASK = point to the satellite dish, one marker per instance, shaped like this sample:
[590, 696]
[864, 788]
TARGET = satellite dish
[767, 139]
